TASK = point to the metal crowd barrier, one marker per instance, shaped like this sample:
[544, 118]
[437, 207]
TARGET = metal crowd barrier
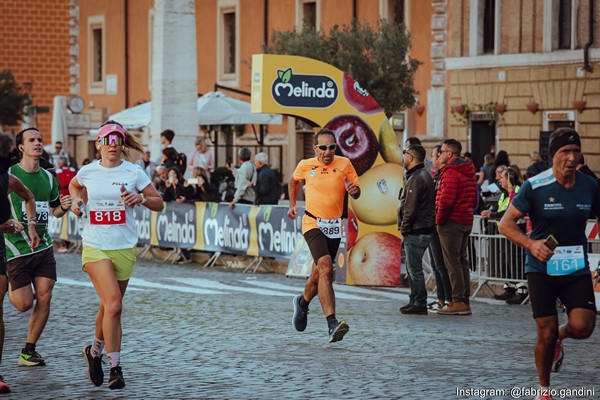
[494, 258]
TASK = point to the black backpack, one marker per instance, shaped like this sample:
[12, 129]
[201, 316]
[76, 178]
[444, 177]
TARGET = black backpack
[181, 162]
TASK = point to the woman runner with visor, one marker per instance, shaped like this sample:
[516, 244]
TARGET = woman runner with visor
[113, 187]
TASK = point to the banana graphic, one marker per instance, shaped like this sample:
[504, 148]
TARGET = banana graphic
[388, 144]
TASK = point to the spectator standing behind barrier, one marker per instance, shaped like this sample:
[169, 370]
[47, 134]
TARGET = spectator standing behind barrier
[442, 281]
[538, 165]
[583, 168]
[500, 159]
[170, 158]
[558, 202]
[64, 174]
[485, 172]
[147, 165]
[267, 184]
[27, 264]
[174, 188]
[201, 157]
[113, 186]
[160, 180]
[455, 200]
[327, 179]
[166, 138]
[58, 152]
[410, 141]
[511, 184]
[416, 222]
[245, 174]
[199, 188]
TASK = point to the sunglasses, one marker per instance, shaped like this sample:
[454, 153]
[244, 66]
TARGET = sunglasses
[325, 147]
[112, 139]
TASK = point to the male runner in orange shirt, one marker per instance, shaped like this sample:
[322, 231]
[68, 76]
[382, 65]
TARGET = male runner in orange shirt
[327, 178]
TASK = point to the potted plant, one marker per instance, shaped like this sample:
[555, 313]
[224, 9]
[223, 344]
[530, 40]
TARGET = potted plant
[533, 107]
[579, 105]
[459, 109]
[500, 108]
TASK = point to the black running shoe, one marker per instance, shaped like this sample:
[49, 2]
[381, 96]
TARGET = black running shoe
[338, 331]
[116, 380]
[94, 373]
[300, 318]
[30, 358]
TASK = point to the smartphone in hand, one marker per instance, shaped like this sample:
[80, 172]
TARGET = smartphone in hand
[551, 242]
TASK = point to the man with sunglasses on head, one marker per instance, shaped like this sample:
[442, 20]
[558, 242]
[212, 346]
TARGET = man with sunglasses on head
[327, 179]
[29, 264]
[455, 201]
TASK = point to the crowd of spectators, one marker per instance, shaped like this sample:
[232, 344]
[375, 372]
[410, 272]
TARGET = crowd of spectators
[194, 177]
[498, 181]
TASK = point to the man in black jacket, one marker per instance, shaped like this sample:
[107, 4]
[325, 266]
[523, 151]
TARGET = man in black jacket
[416, 222]
[267, 185]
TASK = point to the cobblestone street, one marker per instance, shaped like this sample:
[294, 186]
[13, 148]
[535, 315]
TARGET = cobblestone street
[194, 333]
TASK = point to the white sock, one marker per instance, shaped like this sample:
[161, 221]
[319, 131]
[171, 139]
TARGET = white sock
[97, 347]
[114, 358]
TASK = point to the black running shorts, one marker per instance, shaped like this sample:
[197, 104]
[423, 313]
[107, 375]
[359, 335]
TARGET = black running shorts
[574, 291]
[320, 245]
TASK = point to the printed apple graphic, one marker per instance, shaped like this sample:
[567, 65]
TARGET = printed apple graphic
[388, 144]
[379, 190]
[375, 260]
[352, 229]
[355, 139]
[358, 97]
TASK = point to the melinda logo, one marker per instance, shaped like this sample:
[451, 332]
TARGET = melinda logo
[315, 91]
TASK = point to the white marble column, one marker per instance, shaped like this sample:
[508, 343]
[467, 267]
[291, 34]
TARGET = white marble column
[174, 74]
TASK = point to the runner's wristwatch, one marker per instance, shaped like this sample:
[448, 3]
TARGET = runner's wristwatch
[144, 198]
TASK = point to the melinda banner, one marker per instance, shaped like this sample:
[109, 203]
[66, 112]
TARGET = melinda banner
[252, 230]
[332, 99]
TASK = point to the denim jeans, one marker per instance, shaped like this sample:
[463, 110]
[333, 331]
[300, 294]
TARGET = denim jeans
[442, 281]
[415, 246]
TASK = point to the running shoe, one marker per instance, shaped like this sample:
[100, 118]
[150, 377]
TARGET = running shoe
[337, 332]
[4, 388]
[30, 359]
[116, 380]
[545, 396]
[94, 364]
[300, 318]
[434, 306]
[559, 354]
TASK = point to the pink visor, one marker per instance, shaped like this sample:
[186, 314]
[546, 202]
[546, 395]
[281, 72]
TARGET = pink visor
[111, 128]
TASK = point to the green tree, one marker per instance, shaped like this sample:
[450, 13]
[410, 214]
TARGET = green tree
[378, 59]
[12, 99]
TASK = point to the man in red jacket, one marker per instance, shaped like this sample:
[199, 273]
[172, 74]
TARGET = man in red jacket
[456, 198]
